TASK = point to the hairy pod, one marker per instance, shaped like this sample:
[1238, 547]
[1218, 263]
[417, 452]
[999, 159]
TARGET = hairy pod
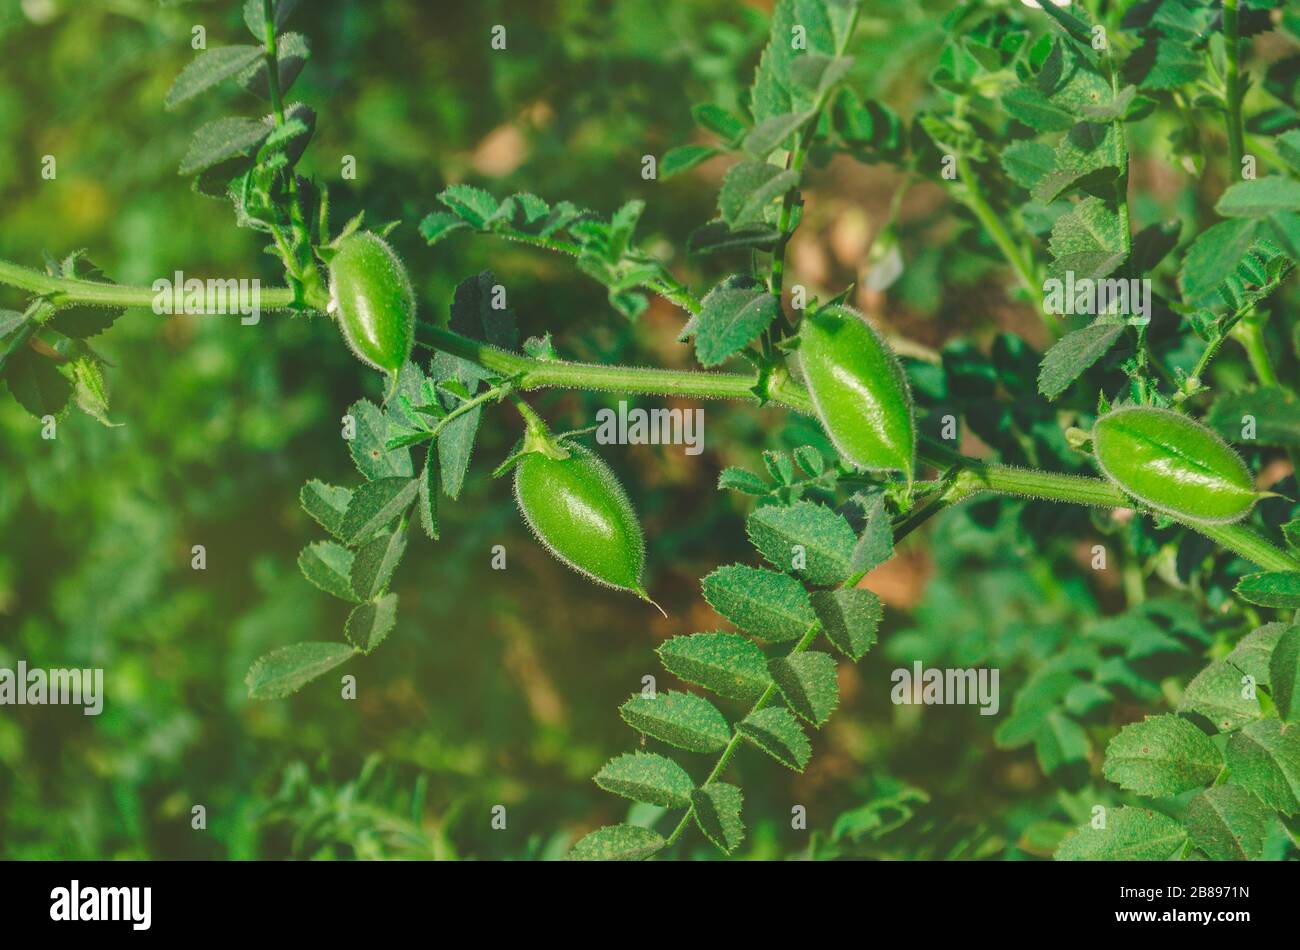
[1174, 464]
[578, 510]
[372, 300]
[858, 390]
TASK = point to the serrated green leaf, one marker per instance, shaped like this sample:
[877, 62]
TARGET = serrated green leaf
[208, 69]
[369, 446]
[1252, 652]
[849, 618]
[1228, 823]
[1216, 694]
[1161, 756]
[716, 807]
[805, 538]
[292, 51]
[749, 187]
[779, 466]
[617, 843]
[255, 20]
[427, 495]
[284, 671]
[807, 682]
[1284, 675]
[1264, 759]
[370, 623]
[727, 663]
[684, 158]
[810, 460]
[719, 121]
[1087, 154]
[326, 504]
[473, 205]
[1274, 410]
[1213, 256]
[763, 603]
[35, 381]
[1271, 589]
[1074, 353]
[221, 140]
[1028, 105]
[778, 733]
[683, 720]
[717, 236]
[374, 506]
[1027, 163]
[772, 133]
[438, 224]
[1259, 197]
[328, 566]
[647, 777]
[730, 317]
[375, 561]
[742, 480]
[1130, 834]
[1088, 240]
[875, 545]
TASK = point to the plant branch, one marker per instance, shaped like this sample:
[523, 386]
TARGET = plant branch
[1232, 83]
[734, 743]
[66, 291]
[795, 163]
[776, 386]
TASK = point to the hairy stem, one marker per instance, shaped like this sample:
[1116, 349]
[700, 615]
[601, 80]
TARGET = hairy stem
[1232, 82]
[65, 291]
[776, 386]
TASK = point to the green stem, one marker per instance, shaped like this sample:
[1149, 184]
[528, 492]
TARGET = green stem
[1232, 52]
[493, 392]
[795, 163]
[973, 198]
[734, 743]
[776, 386]
[65, 291]
[1250, 334]
[299, 261]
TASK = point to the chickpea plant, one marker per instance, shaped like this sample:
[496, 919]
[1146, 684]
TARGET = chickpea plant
[1027, 129]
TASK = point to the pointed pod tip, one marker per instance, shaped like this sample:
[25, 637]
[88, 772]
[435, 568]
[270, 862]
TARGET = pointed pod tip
[641, 592]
